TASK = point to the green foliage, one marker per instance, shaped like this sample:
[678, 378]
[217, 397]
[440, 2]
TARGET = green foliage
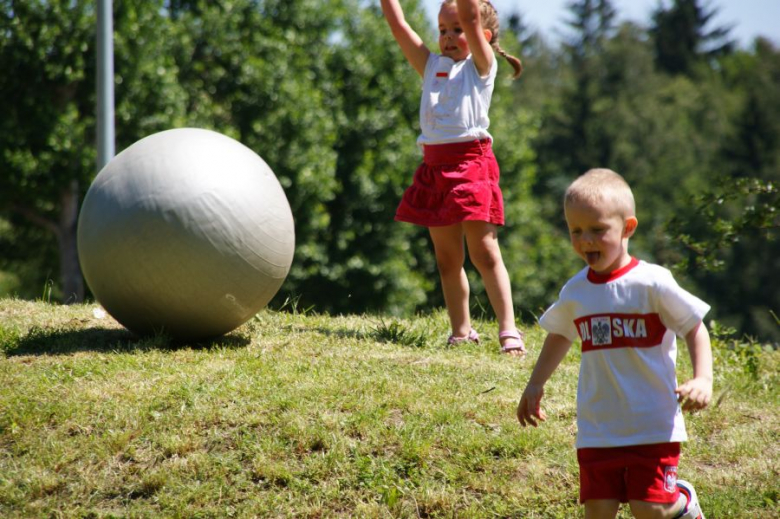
[747, 354]
[321, 91]
[534, 248]
[47, 121]
[359, 257]
[727, 238]
[682, 38]
[398, 333]
[292, 304]
[733, 210]
[47, 89]
[729, 243]
[699, 150]
[9, 339]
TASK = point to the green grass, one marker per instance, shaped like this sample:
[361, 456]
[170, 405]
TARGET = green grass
[305, 415]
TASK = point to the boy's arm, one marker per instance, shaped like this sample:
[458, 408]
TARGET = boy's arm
[697, 392]
[554, 350]
[411, 44]
[471, 23]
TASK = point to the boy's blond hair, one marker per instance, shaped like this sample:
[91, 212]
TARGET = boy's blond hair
[601, 186]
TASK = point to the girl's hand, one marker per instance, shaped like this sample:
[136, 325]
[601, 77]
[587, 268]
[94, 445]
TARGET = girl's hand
[695, 394]
[529, 409]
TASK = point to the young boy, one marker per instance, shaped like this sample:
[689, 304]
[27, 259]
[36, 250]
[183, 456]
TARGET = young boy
[627, 314]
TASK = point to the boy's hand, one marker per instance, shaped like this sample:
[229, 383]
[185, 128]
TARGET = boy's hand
[529, 409]
[695, 394]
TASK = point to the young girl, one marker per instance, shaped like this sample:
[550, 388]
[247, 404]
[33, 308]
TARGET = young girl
[455, 190]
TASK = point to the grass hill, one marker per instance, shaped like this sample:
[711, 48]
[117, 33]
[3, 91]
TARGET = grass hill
[297, 414]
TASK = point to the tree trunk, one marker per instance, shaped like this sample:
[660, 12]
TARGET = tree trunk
[65, 231]
[70, 272]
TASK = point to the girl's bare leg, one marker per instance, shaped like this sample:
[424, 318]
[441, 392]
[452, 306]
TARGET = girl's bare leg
[485, 254]
[450, 255]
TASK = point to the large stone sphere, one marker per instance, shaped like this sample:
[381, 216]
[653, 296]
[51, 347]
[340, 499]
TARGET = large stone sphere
[187, 233]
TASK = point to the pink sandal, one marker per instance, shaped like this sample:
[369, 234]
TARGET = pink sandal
[473, 336]
[515, 342]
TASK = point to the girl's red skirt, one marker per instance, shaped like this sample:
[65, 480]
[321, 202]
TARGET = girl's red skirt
[456, 182]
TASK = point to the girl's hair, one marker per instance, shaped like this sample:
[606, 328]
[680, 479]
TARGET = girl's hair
[489, 17]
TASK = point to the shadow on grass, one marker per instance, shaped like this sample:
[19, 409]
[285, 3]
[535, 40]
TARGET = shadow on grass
[393, 334]
[343, 333]
[40, 341]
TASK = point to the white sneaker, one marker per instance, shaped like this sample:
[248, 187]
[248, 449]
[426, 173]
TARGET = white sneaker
[692, 509]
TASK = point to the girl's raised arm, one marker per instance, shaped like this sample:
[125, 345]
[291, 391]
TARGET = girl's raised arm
[478, 38]
[410, 42]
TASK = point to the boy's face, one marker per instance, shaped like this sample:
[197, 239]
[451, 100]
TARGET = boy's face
[598, 236]
[452, 40]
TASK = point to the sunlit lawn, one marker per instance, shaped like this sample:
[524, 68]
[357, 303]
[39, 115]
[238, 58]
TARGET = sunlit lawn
[305, 415]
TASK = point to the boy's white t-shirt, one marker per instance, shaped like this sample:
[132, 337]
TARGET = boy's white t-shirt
[455, 101]
[627, 323]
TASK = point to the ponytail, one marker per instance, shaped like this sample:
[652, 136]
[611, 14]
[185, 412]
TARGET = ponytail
[514, 61]
[489, 17]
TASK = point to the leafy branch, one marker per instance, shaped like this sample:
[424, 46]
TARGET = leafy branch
[732, 210]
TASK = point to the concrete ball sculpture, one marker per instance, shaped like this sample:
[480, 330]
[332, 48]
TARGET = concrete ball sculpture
[187, 233]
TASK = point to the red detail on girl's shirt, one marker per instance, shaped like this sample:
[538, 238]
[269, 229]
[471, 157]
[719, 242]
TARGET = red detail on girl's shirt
[442, 74]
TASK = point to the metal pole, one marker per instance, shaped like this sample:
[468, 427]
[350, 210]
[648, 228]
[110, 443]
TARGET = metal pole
[105, 83]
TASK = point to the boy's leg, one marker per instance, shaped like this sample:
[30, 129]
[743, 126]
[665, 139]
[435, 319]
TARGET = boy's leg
[485, 254]
[450, 255]
[602, 481]
[654, 492]
[647, 510]
[686, 507]
[692, 508]
[601, 508]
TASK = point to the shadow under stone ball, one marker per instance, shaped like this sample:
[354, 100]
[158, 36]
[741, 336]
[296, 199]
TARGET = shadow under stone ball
[187, 232]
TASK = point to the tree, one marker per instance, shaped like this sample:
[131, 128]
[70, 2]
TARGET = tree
[571, 139]
[534, 242]
[664, 134]
[43, 56]
[311, 88]
[593, 24]
[682, 40]
[321, 92]
[375, 100]
[47, 122]
[728, 242]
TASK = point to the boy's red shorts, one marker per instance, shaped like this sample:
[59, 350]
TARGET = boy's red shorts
[634, 472]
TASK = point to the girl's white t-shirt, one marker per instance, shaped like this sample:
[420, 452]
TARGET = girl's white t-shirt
[455, 101]
[627, 325]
